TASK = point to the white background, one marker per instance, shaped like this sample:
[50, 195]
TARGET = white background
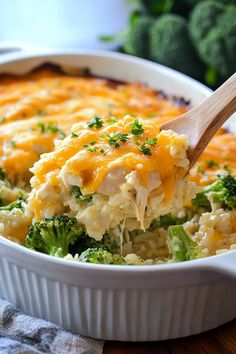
[62, 23]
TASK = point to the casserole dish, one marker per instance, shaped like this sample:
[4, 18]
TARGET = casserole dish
[112, 302]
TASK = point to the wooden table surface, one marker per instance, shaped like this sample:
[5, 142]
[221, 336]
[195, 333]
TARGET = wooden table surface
[221, 340]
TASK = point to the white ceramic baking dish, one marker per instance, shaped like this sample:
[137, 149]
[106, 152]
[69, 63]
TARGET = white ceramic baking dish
[140, 303]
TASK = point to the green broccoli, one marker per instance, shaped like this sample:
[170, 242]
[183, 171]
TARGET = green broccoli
[171, 45]
[54, 235]
[184, 7]
[138, 37]
[101, 256]
[213, 29]
[82, 243]
[77, 194]
[17, 204]
[165, 221]
[109, 243]
[222, 191]
[181, 246]
[2, 174]
[155, 7]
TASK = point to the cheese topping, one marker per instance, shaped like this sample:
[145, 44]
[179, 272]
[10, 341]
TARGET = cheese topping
[91, 156]
[59, 100]
[219, 157]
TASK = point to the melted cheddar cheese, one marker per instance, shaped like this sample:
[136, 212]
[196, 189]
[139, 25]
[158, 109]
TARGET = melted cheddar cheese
[60, 100]
[219, 157]
[92, 165]
[90, 154]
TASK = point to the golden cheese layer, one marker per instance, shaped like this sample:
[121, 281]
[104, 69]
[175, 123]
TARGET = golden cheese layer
[87, 156]
[42, 106]
[219, 157]
[91, 153]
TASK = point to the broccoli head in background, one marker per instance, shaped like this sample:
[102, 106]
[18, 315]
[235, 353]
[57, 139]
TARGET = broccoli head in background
[213, 29]
[138, 38]
[101, 256]
[222, 192]
[171, 45]
[54, 235]
[181, 246]
[155, 7]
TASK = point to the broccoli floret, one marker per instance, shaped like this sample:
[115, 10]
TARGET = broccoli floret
[101, 256]
[138, 38]
[181, 246]
[222, 191]
[213, 29]
[171, 45]
[17, 204]
[2, 174]
[77, 194]
[83, 243]
[54, 235]
[165, 221]
[184, 7]
[110, 243]
[155, 7]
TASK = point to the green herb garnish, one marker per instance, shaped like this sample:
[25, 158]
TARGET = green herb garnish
[143, 147]
[212, 163]
[74, 135]
[96, 122]
[145, 150]
[114, 139]
[90, 149]
[136, 128]
[111, 121]
[200, 170]
[41, 112]
[226, 168]
[50, 128]
[11, 143]
[151, 142]
[2, 120]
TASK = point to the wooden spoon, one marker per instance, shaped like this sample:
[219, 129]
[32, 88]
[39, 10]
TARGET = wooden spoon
[202, 121]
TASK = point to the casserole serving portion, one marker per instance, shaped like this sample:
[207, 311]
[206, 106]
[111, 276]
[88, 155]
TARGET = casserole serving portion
[87, 176]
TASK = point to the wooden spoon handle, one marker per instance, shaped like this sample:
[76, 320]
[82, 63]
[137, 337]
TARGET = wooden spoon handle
[210, 115]
[202, 121]
[209, 129]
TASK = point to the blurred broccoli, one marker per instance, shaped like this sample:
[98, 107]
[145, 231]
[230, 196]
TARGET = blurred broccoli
[54, 235]
[17, 204]
[2, 174]
[110, 243]
[222, 191]
[166, 220]
[79, 196]
[101, 256]
[155, 7]
[184, 7]
[171, 45]
[181, 246]
[82, 243]
[213, 29]
[138, 37]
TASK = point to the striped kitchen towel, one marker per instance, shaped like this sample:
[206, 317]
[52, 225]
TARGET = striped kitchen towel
[22, 334]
